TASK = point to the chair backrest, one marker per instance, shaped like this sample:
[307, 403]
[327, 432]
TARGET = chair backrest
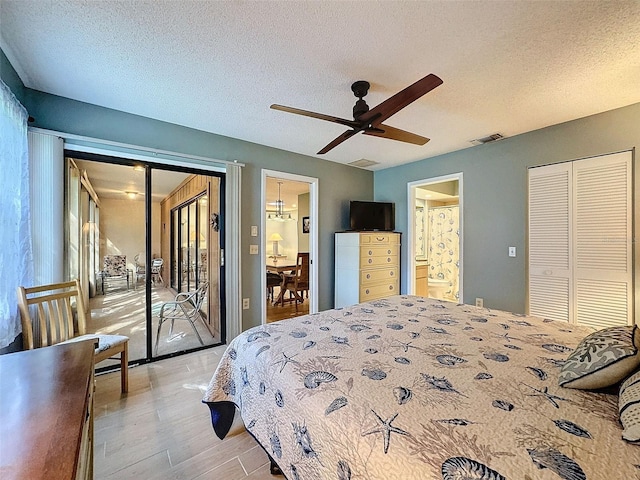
[59, 313]
[139, 266]
[302, 270]
[156, 264]
[201, 294]
[115, 265]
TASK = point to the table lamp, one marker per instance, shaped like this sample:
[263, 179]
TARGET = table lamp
[275, 238]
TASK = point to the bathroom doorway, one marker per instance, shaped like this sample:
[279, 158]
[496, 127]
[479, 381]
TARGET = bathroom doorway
[435, 238]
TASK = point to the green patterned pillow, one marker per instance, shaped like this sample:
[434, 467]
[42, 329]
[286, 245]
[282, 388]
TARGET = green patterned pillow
[602, 359]
[629, 405]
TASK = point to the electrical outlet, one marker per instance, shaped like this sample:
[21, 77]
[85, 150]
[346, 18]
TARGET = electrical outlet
[253, 249]
[245, 304]
[479, 302]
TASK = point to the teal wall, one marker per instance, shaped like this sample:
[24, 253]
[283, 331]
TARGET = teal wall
[337, 183]
[11, 78]
[495, 196]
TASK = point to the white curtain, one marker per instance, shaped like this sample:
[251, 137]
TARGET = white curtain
[232, 263]
[16, 262]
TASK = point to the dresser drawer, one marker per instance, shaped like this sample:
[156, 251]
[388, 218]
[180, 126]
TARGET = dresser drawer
[377, 251]
[369, 277]
[378, 291]
[376, 262]
[379, 238]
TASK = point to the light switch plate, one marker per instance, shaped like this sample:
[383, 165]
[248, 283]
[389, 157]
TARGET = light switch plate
[512, 251]
[254, 230]
[253, 249]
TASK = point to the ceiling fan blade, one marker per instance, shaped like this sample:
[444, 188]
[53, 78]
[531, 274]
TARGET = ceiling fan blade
[385, 131]
[320, 116]
[394, 104]
[337, 141]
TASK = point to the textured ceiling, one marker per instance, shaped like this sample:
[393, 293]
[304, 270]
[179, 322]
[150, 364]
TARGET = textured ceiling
[507, 66]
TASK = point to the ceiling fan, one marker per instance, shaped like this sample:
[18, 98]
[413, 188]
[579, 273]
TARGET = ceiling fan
[368, 121]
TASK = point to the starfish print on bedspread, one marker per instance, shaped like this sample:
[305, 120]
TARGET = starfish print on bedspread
[385, 428]
[545, 393]
[285, 360]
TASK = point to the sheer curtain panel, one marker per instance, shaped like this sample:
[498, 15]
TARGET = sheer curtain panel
[16, 264]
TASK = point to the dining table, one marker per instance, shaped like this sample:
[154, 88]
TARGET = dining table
[280, 266]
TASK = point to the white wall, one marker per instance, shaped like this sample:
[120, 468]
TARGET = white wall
[122, 228]
[288, 230]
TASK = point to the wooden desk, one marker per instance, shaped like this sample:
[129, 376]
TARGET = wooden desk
[46, 413]
[280, 269]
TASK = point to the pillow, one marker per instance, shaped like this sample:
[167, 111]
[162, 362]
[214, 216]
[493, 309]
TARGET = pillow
[602, 359]
[629, 404]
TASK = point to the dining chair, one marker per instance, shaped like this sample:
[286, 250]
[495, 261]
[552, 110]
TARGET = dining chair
[297, 281]
[59, 317]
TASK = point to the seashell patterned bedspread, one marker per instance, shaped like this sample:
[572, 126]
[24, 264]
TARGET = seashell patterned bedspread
[414, 388]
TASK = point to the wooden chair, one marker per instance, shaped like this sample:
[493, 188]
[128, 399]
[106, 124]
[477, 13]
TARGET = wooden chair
[298, 280]
[273, 280]
[60, 318]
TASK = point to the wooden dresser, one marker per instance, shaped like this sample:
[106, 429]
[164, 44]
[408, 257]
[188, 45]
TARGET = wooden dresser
[367, 266]
[46, 413]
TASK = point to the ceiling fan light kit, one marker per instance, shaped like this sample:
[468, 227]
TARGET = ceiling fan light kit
[369, 121]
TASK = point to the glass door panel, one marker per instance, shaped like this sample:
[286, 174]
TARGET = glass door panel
[193, 245]
[106, 239]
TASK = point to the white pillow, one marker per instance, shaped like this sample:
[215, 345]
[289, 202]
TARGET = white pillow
[629, 405]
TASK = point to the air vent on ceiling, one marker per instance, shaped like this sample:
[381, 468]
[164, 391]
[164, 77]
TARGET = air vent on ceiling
[488, 139]
[363, 163]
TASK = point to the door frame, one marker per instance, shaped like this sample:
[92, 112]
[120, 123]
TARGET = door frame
[410, 263]
[313, 239]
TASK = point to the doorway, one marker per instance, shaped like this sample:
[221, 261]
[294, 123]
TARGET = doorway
[123, 244]
[435, 238]
[289, 245]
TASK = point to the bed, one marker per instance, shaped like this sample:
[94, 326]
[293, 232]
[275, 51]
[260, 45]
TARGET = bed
[414, 388]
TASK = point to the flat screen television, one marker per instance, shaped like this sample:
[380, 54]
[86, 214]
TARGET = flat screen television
[372, 216]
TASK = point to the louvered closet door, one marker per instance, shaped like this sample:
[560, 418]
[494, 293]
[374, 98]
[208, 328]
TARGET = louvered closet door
[603, 240]
[550, 251]
[580, 241]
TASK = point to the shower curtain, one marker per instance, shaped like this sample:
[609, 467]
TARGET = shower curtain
[420, 232]
[444, 243]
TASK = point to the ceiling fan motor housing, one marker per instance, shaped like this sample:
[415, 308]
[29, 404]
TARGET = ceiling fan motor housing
[360, 89]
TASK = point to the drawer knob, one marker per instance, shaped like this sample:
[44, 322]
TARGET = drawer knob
[370, 261]
[370, 252]
[391, 274]
[388, 260]
[367, 291]
[388, 252]
[368, 276]
[380, 239]
[390, 287]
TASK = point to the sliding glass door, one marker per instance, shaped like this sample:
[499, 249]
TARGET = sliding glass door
[141, 240]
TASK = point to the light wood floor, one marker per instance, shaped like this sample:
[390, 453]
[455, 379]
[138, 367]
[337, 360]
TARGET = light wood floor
[160, 430]
[122, 311]
[288, 310]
